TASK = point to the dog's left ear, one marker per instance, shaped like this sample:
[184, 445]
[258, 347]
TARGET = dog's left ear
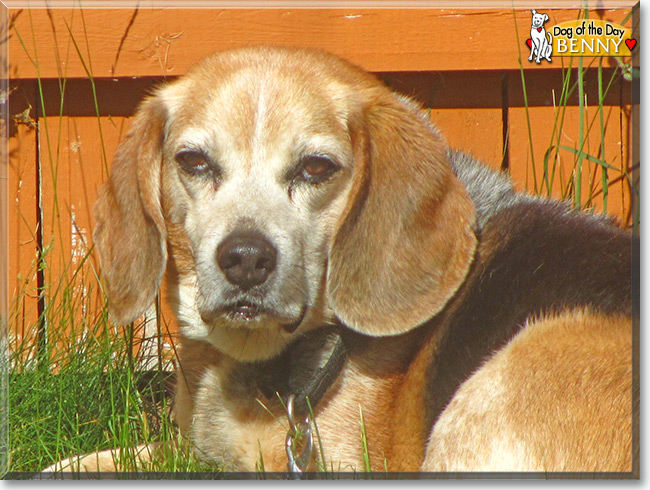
[130, 234]
[405, 240]
[546, 17]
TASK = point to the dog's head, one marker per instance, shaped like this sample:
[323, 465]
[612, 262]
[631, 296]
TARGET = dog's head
[538, 19]
[287, 188]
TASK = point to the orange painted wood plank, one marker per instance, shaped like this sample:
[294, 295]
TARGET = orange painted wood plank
[479, 132]
[164, 42]
[474, 131]
[22, 230]
[76, 155]
[562, 168]
[72, 169]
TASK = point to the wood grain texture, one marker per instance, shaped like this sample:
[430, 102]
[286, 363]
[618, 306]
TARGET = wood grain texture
[475, 131]
[562, 165]
[166, 42]
[22, 231]
[72, 168]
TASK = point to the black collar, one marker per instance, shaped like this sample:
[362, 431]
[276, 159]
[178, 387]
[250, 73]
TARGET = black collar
[276, 376]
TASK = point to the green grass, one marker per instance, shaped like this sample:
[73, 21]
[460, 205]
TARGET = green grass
[583, 157]
[75, 379]
[87, 393]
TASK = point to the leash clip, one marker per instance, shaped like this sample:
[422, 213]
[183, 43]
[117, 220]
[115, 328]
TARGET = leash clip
[299, 442]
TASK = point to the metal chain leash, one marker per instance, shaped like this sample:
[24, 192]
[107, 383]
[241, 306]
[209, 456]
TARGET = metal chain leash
[299, 442]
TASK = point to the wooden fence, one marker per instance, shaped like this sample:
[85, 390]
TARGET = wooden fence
[76, 76]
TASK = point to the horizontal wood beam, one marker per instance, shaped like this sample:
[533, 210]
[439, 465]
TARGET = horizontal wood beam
[71, 43]
[437, 90]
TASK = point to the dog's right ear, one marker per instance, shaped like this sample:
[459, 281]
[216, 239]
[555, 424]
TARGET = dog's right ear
[130, 233]
[534, 11]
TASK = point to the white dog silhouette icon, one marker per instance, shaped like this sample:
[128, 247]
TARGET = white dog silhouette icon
[540, 46]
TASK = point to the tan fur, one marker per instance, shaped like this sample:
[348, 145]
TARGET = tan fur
[250, 116]
[372, 377]
[424, 226]
[382, 246]
[408, 444]
[513, 414]
[110, 460]
[130, 231]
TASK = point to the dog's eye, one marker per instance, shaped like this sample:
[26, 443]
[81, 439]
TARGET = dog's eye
[314, 169]
[193, 162]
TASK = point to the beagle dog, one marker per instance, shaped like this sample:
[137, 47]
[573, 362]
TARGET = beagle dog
[351, 294]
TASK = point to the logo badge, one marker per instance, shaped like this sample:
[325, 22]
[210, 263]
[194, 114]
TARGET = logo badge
[587, 37]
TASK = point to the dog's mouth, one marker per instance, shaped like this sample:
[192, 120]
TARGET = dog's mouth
[246, 313]
[243, 311]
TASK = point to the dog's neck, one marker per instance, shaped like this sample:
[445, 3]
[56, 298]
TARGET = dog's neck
[489, 189]
[308, 368]
[295, 371]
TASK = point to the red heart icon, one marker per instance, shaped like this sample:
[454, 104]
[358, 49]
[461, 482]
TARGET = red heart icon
[630, 43]
[539, 29]
[529, 42]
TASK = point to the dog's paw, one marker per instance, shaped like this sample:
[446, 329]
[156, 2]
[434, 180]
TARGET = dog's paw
[102, 461]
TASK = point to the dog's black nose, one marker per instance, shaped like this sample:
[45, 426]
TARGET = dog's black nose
[246, 258]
